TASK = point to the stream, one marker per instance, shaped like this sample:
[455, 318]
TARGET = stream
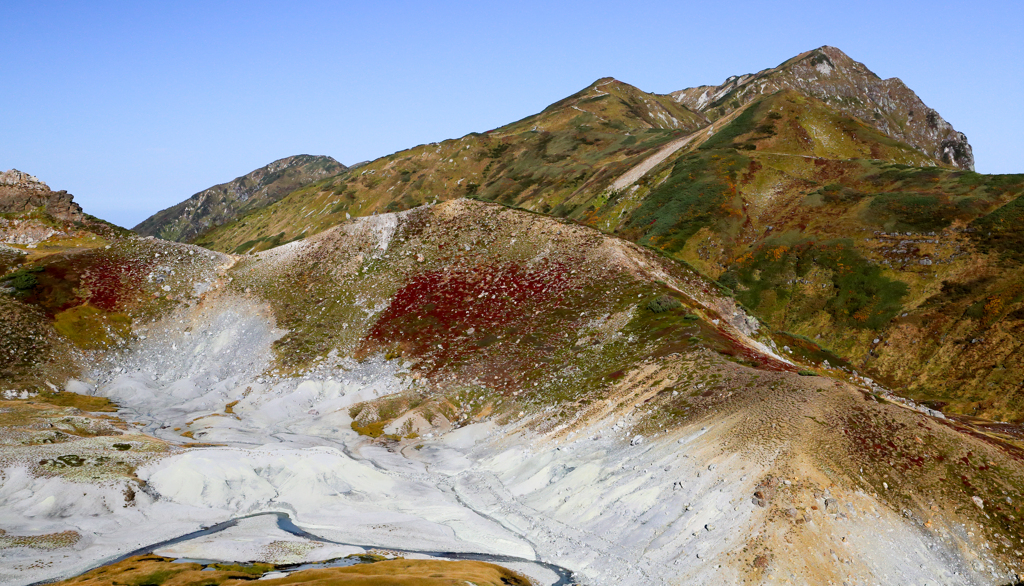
[285, 523]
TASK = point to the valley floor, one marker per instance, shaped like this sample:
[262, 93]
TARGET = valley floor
[679, 507]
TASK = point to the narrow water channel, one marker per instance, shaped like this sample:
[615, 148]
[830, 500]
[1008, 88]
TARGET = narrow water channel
[285, 523]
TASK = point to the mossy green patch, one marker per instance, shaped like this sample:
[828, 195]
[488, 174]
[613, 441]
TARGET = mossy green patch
[93, 329]
[82, 402]
[915, 211]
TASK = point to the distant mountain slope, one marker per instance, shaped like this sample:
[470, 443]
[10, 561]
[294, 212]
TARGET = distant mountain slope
[226, 202]
[826, 228]
[849, 87]
[818, 219]
[576, 146]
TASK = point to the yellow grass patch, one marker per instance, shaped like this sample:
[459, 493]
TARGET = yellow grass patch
[159, 571]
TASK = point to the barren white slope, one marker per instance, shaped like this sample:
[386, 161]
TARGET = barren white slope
[667, 510]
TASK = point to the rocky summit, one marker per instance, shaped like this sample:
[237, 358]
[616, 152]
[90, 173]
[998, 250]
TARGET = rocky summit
[764, 332]
[23, 193]
[849, 87]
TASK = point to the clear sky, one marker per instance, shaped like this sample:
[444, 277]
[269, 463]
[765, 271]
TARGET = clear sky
[134, 106]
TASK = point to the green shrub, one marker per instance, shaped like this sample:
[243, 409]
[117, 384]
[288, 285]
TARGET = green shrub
[664, 303]
[497, 150]
[1000, 231]
[807, 373]
[840, 194]
[23, 280]
[729, 280]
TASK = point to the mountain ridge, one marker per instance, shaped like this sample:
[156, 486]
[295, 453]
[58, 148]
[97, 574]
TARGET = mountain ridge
[609, 107]
[225, 202]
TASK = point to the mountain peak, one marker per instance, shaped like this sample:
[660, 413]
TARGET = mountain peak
[830, 75]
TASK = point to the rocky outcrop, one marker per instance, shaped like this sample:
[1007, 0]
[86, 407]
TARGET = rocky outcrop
[223, 203]
[829, 75]
[22, 193]
[16, 178]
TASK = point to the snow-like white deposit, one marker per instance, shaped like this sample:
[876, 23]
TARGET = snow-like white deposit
[661, 510]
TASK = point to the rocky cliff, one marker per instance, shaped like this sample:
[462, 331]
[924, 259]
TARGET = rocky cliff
[21, 193]
[848, 86]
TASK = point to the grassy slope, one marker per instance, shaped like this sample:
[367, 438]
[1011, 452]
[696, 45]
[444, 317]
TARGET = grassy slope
[792, 204]
[884, 263]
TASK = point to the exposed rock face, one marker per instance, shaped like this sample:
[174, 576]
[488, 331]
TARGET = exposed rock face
[830, 75]
[18, 178]
[21, 193]
[228, 201]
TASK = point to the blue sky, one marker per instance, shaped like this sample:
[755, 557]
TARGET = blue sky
[134, 106]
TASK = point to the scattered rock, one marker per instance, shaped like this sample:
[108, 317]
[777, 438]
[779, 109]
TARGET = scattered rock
[764, 491]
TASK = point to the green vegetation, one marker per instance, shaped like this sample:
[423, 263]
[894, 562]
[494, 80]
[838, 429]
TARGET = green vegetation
[914, 212]
[262, 243]
[1002, 231]
[699, 192]
[664, 303]
[859, 295]
[746, 122]
[91, 328]
[23, 280]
